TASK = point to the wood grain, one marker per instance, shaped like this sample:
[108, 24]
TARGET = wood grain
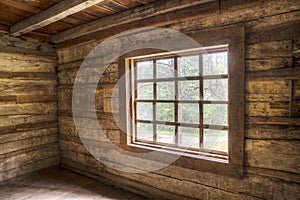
[129, 16]
[57, 183]
[50, 15]
[28, 104]
[271, 135]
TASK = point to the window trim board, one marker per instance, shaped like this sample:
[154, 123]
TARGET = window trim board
[235, 38]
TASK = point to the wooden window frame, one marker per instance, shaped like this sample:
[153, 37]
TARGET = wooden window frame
[235, 39]
[176, 80]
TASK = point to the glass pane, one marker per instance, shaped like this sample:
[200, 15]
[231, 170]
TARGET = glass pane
[165, 68]
[145, 70]
[188, 137]
[215, 63]
[216, 89]
[215, 140]
[166, 91]
[145, 91]
[188, 66]
[165, 112]
[145, 111]
[188, 113]
[188, 90]
[165, 134]
[145, 131]
[215, 114]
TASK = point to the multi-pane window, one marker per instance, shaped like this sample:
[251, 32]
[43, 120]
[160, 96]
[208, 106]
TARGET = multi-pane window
[189, 103]
[181, 101]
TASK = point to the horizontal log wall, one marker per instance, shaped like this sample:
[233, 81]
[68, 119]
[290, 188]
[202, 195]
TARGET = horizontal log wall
[272, 129]
[28, 107]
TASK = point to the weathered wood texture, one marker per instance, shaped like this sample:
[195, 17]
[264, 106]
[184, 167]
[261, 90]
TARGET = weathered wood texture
[272, 128]
[56, 183]
[12, 12]
[171, 10]
[53, 14]
[28, 107]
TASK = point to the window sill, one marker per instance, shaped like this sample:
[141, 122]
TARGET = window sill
[182, 152]
[198, 162]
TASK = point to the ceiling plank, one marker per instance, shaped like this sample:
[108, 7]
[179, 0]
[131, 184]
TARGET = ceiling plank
[50, 15]
[195, 12]
[127, 16]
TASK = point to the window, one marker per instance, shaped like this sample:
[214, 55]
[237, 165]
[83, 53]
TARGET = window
[181, 102]
[192, 102]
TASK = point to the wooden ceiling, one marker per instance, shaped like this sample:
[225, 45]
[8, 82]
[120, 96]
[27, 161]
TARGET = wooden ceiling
[14, 11]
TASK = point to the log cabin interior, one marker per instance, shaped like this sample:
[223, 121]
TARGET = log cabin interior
[113, 99]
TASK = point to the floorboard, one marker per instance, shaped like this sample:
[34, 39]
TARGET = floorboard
[59, 184]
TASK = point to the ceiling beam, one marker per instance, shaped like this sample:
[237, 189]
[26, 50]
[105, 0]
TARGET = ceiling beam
[51, 15]
[127, 16]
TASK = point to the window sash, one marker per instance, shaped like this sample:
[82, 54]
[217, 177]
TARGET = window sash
[176, 79]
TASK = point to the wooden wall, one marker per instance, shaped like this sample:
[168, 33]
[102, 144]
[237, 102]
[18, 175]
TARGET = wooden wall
[28, 107]
[272, 129]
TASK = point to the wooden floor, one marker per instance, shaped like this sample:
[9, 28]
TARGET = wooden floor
[56, 184]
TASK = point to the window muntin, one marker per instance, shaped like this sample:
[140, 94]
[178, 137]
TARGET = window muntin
[233, 162]
[176, 104]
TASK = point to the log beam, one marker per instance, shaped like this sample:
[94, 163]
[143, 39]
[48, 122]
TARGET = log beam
[51, 15]
[285, 73]
[132, 15]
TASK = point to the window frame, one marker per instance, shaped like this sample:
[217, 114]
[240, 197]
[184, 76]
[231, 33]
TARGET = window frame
[176, 79]
[235, 39]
